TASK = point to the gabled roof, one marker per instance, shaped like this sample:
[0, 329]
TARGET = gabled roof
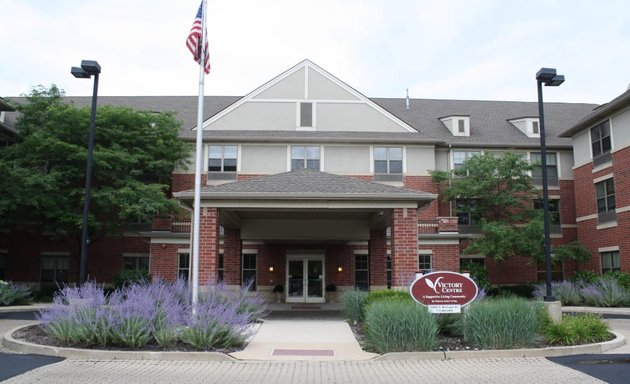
[306, 184]
[620, 102]
[307, 66]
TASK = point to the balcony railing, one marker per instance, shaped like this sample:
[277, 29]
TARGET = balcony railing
[180, 226]
[439, 225]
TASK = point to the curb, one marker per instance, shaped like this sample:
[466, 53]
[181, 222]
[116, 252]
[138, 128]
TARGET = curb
[595, 348]
[24, 308]
[98, 354]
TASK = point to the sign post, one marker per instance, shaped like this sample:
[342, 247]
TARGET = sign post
[444, 292]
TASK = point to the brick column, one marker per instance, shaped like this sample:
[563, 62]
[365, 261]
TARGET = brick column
[232, 256]
[378, 258]
[208, 246]
[404, 246]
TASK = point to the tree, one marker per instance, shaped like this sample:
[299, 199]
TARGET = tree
[574, 251]
[44, 172]
[497, 189]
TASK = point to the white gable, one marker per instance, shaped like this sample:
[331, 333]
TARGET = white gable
[306, 97]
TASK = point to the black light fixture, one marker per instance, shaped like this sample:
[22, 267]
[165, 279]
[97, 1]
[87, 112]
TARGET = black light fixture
[87, 69]
[548, 77]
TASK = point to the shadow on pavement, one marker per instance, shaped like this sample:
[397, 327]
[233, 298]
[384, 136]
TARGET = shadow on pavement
[13, 365]
[614, 369]
[26, 315]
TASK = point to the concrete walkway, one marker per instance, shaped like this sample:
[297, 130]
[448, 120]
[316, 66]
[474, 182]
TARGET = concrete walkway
[314, 340]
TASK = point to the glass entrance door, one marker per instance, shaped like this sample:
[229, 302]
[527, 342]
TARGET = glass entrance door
[305, 279]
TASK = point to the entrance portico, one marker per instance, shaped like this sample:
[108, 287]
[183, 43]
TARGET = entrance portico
[309, 232]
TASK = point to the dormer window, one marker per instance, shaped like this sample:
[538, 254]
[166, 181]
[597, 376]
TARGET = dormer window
[458, 125]
[530, 126]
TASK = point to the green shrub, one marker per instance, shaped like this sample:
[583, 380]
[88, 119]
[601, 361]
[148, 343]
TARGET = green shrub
[584, 277]
[450, 323]
[400, 326]
[605, 292]
[568, 292]
[622, 278]
[503, 323]
[352, 304]
[126, 278]
[478, 273]
[14, 294]
[580, 329]
[386, 295]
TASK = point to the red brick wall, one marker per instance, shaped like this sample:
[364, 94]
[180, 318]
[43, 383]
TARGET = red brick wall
[232, 256]
[444, 257]
[404, 243]
[424, 184]
[164, 261]
[208, 246]
[378, 257]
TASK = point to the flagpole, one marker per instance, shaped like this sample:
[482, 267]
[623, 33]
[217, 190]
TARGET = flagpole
[198, 163]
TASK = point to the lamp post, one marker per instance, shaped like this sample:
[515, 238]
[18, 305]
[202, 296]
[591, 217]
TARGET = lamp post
[548, 77]
[87, 69]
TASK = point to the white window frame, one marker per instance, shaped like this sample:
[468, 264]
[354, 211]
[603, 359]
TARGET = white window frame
[222, 175]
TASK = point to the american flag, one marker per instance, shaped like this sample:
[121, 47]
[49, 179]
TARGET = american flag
[194, 41]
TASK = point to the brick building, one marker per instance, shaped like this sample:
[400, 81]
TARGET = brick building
[309, 184]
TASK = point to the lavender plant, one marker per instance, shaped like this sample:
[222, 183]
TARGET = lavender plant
[215, 324]
[605, 292]
[568, 292]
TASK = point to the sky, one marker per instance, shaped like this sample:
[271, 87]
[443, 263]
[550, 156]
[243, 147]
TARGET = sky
[437, 49]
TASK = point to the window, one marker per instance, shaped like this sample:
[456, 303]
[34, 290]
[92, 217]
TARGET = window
[601, 143]
[468, 215]
[135, 262]
[552, 169]
[459, 157]
[606, 200]
[461, 126]
[535, 128]
[554, 213]
[306, 114]
[610, 261]
[222, 162]
[424, 262]
[3, 265]
[305, 157]
[361, 272]
[55, 268]
[249, 270]
[220, 268]
[183, 266]
[388, 163]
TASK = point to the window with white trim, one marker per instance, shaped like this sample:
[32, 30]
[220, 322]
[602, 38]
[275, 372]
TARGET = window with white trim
[248, 270]
[361, 272]
[222, 162]
[425, 262]
[601, 143]
[183, 266]
[306, 115]
[305, 157]
[606, 204]
[552, 168]
[220, 267]
[54, 268]
[388, 163]
[459, 157]
[610, 261]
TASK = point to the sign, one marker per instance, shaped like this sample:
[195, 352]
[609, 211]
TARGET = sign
[444, 292]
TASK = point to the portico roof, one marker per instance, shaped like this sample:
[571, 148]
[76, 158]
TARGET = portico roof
[305, 186]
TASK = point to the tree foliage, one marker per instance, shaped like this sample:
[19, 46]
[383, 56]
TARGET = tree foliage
[498, 190]
[574, 251]
[44, 172]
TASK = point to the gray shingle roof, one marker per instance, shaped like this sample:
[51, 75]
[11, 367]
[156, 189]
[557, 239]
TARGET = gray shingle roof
[489, 125]
[620, 102]
[307, 184]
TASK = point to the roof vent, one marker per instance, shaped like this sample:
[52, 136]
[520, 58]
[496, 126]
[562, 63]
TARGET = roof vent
[407, 101]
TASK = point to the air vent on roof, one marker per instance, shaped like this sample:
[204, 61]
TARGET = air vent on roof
[458, 125]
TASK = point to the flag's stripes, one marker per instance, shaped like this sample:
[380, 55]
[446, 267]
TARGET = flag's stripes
[194, 41]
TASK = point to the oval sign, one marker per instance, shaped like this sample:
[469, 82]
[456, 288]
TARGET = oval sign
[443, 288]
